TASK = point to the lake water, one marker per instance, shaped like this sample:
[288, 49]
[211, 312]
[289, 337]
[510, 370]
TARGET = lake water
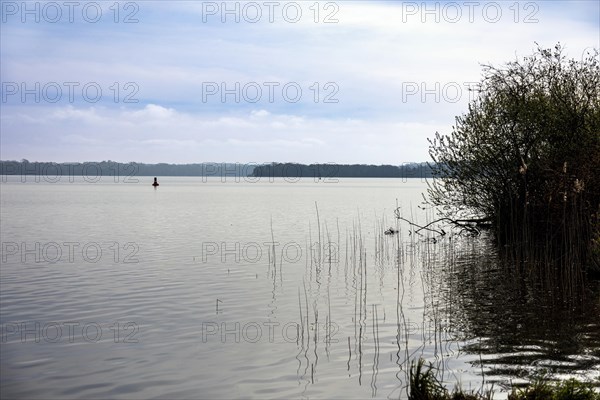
[118, 290]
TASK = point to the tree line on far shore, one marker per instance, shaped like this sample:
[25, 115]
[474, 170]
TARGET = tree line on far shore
[325, 171]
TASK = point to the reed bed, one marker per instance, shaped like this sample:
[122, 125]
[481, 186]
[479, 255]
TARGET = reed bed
[416, 257]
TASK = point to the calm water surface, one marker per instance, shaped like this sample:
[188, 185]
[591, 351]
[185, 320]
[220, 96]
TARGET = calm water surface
[119, 290]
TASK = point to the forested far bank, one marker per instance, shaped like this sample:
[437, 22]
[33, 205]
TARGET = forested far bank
[328, 171]
[207, 169]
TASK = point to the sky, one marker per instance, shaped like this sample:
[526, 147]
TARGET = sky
[306, 81]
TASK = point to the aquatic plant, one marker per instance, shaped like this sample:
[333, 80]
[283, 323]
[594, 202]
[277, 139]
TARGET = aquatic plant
[424, 385]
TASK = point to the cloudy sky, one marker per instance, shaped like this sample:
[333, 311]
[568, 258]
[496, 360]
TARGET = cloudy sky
[194, 81]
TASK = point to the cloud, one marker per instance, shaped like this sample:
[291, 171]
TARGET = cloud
[159, 134]
[390, 71]
[154, 112]
[260, 113]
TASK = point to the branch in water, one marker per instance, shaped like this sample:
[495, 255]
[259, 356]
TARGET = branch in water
[470, 225]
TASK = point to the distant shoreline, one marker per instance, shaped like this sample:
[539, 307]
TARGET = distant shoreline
[249, 170]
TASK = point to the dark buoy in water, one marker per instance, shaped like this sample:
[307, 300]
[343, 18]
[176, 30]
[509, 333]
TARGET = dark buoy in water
[155, 184]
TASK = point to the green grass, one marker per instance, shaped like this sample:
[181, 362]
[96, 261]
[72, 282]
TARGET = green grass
[566, 390]
[424, 385]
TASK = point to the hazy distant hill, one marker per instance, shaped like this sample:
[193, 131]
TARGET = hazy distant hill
[112, 168]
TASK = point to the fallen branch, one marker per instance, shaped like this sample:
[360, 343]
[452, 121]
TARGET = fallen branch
[440, 232]
[471, 225]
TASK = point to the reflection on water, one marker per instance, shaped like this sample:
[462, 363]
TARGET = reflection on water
[267, 290]
[517, 328]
